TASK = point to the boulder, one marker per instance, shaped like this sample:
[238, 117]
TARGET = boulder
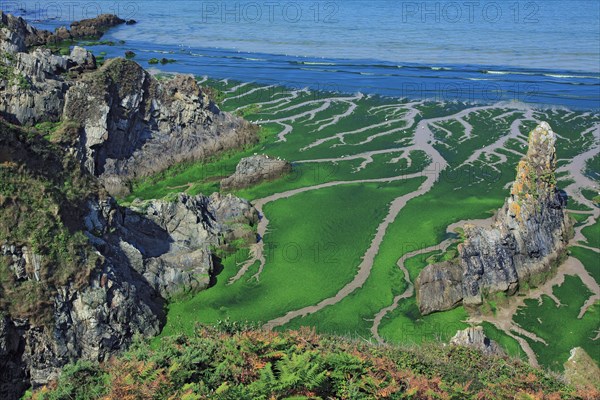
[474, 337]
[439, 287]
[253, 170]
[82, 58]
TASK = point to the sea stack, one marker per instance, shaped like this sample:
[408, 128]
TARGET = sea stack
[529, 235]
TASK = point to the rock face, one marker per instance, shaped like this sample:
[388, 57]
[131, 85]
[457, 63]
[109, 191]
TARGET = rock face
[148, 255]
[13, 378]
[134, 126]
[122, 124]
[33, 88]
[255, 169]
[475, 337]
[17, 36]
[169, 243]
[528, 237]
[442, 287]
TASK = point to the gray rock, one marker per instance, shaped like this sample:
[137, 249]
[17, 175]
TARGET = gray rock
[135, 126]
[13, 369]
[83, 59]
[474, 337]
[94, 27]
[529, 235]
[148, 254]
[255, 169]
[16, 35]
[25, 263]
[34, 91]
[131, 126]
[439, 287]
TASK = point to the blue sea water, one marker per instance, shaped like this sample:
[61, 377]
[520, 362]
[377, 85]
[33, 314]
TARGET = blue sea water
[544, 51]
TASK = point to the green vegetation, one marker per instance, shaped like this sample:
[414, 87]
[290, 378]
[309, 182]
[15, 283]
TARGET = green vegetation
[197, 177]
[235, 362]
[42, 191]
[592, 234]
[48, 129]
[8, 73]
[510, 345]
[323, 259]
[464, 191]
[559, 326]
[97, 43]
[589, 258]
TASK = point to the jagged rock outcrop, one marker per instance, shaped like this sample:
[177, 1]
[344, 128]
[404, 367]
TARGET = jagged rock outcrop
[119, 123]
[33, 88]
[170, 243]
[147, 254]
[134, 126]
[475, 337]
[529, 235]
[255, 169]
[94, 27]
[16, 35]
[33, 85]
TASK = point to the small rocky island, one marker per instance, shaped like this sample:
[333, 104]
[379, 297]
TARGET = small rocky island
[527, 240]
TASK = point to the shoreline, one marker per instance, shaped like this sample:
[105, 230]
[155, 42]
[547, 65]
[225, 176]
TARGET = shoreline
[477, 84]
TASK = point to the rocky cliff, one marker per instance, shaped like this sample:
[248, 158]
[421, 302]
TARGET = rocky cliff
[17, 35]
[134, 126]
[131, 125]
[104, 290]
[527, 239]
[80, 276]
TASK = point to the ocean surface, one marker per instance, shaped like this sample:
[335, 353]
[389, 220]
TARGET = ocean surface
[544, 52]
